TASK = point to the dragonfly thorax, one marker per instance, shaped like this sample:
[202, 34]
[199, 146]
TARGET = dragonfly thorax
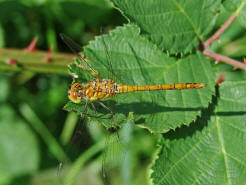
[93, 90]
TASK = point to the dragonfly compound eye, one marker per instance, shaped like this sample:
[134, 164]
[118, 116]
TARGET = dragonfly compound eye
[74, 96]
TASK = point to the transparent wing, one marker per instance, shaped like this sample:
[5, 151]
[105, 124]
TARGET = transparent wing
[108, 58]
[111, 104]
[77, 49]
[77, 140]
[112, 156]
[116, 153]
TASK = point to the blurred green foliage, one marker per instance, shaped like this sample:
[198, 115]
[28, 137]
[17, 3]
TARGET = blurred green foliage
[32, 120]
[21, 21]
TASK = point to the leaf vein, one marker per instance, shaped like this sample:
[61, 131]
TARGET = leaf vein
[210, 164]
[221, 142]
[227, 122]
[193, 74]
[185, 155]
[186, 16]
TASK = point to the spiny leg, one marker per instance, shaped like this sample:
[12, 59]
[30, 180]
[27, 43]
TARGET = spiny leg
[85, 107]
[104, 106]
[82, 113]
[93, 107]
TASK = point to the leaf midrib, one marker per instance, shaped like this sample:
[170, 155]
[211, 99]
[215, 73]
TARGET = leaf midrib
[222, 147]
[185, 155]
[187, 17]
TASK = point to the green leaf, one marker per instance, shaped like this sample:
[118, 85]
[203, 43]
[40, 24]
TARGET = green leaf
[232, 5]
[19, 154]
[239, 6]
[242, 14]
[174, 25]
[212, 150]
[136, 61]
[228, 73]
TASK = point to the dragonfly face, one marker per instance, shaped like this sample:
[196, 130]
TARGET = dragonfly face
[74, 93]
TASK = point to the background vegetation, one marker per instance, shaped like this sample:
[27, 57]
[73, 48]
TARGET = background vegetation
[36, 134]
[32, 120]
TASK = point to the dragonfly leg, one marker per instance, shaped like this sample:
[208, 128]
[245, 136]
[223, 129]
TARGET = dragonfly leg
[84, 113]
[104, 106]
[85, 108]
[93, 107]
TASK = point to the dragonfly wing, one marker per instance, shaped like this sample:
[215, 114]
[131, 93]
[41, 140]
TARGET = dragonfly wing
[77, 49]
[115, 154]
[111, 156]
[111, 74]
[108, 52]
[74, 138]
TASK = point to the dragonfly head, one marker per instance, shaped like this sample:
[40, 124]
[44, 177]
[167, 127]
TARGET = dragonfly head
[74, 93]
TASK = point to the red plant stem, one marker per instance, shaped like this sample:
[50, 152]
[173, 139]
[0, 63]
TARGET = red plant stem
[216, 35]
[225, 59]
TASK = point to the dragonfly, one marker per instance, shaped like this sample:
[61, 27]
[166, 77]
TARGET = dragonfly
[100, 89]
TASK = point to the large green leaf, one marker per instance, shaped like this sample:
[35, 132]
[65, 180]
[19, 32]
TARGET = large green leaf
[174, 25]
[136, 61]
[212, 150]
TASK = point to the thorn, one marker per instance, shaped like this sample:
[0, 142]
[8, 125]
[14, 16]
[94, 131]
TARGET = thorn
[244, 62]
[49, 58]
[217, 61]
[218, 39]
[11, 62]
[220, 79]
[32, 45]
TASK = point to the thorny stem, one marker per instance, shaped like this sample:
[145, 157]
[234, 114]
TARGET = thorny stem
[216, 36]
[225, 59]
[34, 61]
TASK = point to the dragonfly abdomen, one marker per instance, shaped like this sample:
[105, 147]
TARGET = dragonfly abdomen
[132, 88]
[104, 88]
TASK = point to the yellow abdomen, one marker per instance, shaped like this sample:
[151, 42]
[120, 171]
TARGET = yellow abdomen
[101, 88]
[131, 88]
